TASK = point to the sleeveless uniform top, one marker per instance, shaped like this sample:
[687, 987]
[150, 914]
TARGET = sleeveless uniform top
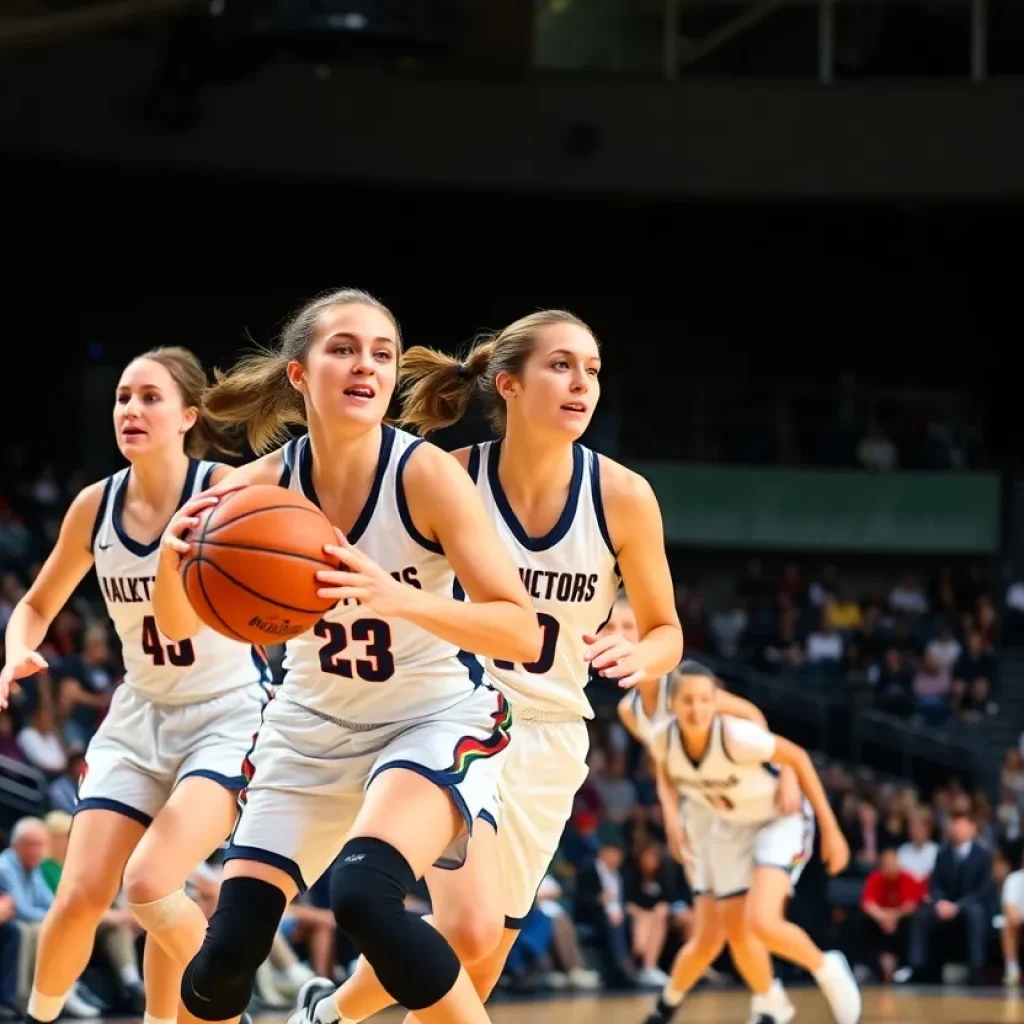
[570, 574]
[734, 777]
[201, 668]
[646, 724]
[359, 667]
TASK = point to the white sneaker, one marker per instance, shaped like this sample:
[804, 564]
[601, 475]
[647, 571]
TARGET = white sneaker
[267, 989]
[76, 1006]
[557, 980]
[309, 996]
[586, 980]
[838, 985]
[652, 977]
[775, 1005]
[290, 980]
[1012, 975]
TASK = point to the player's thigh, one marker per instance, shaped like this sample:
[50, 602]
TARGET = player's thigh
[100, 844]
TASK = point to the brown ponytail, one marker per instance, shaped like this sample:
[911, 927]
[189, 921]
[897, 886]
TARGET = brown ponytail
[436, 387]
[205, 437]
[256, 393]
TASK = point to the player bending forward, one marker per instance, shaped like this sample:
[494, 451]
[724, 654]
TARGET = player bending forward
[745, 851]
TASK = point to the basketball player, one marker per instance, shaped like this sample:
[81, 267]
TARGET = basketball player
[642, 712]
[572, 520]
[751, 855]
[384, 741]
[164, 768]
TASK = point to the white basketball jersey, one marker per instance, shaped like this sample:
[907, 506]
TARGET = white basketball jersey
[357, 666]
[570, 574]
[734, 776]
[206, 666]
[646, 725]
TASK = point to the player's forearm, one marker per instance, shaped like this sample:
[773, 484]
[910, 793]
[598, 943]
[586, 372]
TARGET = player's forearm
[812, 788]
[669, 800]
[661, 649]
[26, 630]
[171, 609]
[502, 630]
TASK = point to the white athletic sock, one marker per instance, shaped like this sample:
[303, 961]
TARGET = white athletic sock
[671, 996]
[327, 1012]
[297, 973]
[45, 1008]
[150, 1019]
[130, 975]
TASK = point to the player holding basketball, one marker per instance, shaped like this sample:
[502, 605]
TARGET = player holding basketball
[164, 768]
[571, 520]
[745, 850]
[384, 740]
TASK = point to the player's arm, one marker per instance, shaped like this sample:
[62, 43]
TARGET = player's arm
[746, 743]
[675, 834]
[171, 609]
[627, 716]
[637, 532]
[68, 562]
[498, 621]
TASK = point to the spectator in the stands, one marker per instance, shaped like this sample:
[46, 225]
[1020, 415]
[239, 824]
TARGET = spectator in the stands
[58, 832]
[8, 741]
[931, 690]
[600, 906]
[823, 589]
[10, 952]
[975, 662]
[784, 652]
[890, 896]
[1008, 816]
[649, 898]
[918, 854]
[1012, 774]
[957, 898]
[63, 791]
[825, 646]
[86, 686]
[728, 628]
[40, 743]
[20, 874]
[842, 614]
[894, 687]
[945, 648]
[1013, 918]
[907, 597]
[876, 451]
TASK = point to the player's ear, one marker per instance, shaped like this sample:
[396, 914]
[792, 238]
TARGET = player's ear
[296, 374]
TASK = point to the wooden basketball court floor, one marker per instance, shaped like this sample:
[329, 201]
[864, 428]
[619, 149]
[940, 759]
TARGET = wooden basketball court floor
[881, 1006]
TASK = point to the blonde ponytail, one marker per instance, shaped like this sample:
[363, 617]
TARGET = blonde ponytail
[437, 387]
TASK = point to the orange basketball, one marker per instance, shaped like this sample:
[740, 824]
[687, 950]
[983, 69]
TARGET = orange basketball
[251, 571]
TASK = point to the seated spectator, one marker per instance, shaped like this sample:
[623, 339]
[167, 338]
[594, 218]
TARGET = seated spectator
[728, 628]
[648, 902]
[8, 741]
[1012, 774]
[10, 952]
[974, 662]
[600, 907]
[58, 832]
[931, 690]
[907, 597]
[917, 855]
[825, 646]
[63, 791]
[86, 686]
[618, 794]
[784, 652]
[945, 649]
[40, 743]
[565, 947]
[957, 898]
[894, 687]
[1008, 816]
[890, 896]
[843, 614]
[977, 702]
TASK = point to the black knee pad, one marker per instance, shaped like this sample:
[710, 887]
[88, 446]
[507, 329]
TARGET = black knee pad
[413, 961]
[217, 984]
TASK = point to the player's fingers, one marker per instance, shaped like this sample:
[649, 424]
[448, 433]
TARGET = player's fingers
[198, 504]
[632, 680]
[612, 660]
[226, 487]
[601, 643]
[38, 660]
[342, 594]
[183, 524]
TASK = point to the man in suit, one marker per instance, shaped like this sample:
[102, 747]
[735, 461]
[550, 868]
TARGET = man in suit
[958, 898]
[601, 907]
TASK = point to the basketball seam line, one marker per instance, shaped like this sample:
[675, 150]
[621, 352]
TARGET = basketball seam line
[255, 512]
[228, 546]
[198, 562]
[255, 593]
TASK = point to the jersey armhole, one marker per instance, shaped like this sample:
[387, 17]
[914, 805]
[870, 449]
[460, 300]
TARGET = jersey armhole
[403, 505]
[287, 461]
[100, 511]
[473, 466]
[204, 484]
[598, 503]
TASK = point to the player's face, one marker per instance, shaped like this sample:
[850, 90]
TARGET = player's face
[560, 386]
[148, 412]
[352, 365]
[623, 623]
[694, 703]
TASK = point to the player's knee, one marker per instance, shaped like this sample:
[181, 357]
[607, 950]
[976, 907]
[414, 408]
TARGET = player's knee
[414, 963]
[145, 882]
[217, 984]
[83, 898]
[474, 937]
[761, 921]
[711, 940]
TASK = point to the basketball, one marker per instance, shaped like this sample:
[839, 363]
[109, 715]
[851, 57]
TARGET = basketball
[251, 573]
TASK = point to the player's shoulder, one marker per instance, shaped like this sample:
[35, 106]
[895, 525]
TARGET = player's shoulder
[628, 499]
[82, 517]
[273, 468]
[429, 466]
[660, 737]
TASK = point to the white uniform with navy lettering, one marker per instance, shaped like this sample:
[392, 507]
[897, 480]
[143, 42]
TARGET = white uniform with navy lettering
[572, 577]
[187, 709]
[363, 693]
[731, 794]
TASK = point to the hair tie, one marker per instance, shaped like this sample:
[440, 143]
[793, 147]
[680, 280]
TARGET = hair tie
[462, 371]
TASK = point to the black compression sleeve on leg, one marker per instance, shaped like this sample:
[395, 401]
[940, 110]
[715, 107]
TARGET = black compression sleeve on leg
[412, 960]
